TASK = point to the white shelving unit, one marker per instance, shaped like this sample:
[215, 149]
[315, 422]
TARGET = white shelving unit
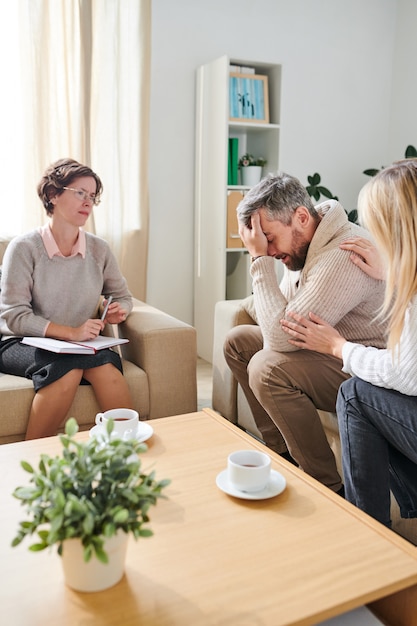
[221, 263]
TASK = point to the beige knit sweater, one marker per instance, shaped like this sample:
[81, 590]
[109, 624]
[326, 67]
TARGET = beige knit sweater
[329, 285]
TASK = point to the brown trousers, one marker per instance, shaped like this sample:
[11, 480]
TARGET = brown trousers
[284, 391]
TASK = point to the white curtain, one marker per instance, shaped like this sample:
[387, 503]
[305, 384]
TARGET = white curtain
[81, 73]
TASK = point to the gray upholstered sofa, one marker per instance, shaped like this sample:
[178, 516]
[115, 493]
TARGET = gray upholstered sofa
[159, 364]
[229, 400]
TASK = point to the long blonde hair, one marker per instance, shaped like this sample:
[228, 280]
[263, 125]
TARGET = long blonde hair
[387, 207]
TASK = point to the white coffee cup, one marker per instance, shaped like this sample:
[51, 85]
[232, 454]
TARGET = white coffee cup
[125, 422]
[248, 470]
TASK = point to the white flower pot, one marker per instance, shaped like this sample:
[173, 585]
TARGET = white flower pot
[94, 575]
[251, 175]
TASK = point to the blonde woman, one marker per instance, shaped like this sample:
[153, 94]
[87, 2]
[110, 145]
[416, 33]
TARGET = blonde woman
[377, 408]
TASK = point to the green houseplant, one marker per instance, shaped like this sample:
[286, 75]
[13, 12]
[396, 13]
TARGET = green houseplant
[410, 153]
[251, 169]
[248, 160]
[95, 490]
[316, 190]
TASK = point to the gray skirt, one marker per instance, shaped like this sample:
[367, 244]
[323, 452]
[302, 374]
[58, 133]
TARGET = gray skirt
[44, 367]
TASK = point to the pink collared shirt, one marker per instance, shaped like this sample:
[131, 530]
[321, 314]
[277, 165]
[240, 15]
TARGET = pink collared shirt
[51, 245]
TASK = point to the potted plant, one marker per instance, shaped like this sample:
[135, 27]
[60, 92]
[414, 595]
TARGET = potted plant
[316, 190]
[251, 169]
[410, 153]
[87, 501]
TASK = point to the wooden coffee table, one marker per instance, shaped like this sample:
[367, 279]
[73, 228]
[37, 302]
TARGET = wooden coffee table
[215, 560]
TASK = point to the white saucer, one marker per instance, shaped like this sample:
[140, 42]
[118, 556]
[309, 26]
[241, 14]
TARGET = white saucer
[276, 485]
[143, 433]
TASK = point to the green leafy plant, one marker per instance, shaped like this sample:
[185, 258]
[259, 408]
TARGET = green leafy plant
[316, 190]
[91, 491]
[410, 153]
[248, 159]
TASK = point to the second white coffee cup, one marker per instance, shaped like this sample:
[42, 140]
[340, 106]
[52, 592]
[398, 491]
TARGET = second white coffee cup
[248, 470]
[125, 421]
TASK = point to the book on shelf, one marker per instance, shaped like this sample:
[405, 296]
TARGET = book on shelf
[233, 161]
[73, 347]
[229, 165]
[241, 69]
[233, 97]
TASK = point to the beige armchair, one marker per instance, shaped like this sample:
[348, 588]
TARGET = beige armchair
[159, 363]
[228, 398]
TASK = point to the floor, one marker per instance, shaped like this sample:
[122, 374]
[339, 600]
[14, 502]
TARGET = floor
[204, 383]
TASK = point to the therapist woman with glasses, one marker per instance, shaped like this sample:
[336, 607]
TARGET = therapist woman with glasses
[53, 283]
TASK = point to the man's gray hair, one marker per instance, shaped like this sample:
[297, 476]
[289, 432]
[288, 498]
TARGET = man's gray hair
[280, 195]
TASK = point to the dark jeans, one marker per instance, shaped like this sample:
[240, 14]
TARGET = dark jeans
[378, 431]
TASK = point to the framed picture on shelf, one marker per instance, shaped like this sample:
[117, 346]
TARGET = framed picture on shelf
[248, 98]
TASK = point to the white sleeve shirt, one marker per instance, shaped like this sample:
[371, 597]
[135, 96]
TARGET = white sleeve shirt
[384, 368]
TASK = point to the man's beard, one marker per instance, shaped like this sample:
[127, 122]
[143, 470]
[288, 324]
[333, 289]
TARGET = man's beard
[297, 258]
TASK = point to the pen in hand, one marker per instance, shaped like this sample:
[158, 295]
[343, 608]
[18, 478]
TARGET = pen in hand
[106, 308]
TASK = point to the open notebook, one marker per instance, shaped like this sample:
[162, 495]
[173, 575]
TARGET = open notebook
[73, 347]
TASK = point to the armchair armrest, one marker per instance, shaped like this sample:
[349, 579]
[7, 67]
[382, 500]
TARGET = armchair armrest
[227, 314]
[166, 349]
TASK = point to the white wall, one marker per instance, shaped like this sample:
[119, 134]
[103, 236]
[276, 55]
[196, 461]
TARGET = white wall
[403, 127]
[337, 60]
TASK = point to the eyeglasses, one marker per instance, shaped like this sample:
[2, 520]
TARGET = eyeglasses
[83, 195]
